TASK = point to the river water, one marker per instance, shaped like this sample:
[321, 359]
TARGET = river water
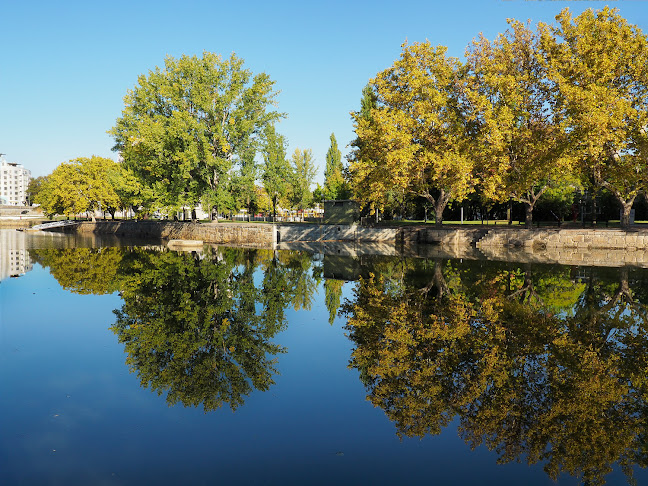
[126, 363]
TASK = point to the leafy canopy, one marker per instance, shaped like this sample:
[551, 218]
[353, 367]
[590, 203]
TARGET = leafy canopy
[79, 185]
[184, 127]
[416, 139]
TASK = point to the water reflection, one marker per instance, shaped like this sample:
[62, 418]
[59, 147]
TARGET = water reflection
[544, 364]
[197, 327]
[14, 257]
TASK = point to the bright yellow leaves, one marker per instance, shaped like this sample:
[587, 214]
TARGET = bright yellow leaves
[529, 113]
[556, 382]
[415, 138]
[80, 185]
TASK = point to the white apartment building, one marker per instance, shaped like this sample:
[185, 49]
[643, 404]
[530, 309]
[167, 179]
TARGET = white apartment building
[14, 179]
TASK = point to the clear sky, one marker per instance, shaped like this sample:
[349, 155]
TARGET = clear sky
[65, 66]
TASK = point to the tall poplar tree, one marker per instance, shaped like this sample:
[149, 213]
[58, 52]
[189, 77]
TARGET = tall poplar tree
[276, 168]
[334, 184]
[303, 173]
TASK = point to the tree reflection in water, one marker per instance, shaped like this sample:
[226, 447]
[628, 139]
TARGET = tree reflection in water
[195, 326]
[538, 364]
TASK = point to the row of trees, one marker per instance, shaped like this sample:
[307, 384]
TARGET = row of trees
[200, 131]
[531, 113]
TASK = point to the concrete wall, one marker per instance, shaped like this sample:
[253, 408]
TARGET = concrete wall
[335, 232]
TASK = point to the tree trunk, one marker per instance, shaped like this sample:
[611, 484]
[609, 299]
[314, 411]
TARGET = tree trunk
[438, 214]
[439, 205]
[528, 213]
[625, 215]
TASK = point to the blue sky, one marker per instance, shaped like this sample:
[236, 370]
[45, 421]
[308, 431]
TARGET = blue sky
[65, 66]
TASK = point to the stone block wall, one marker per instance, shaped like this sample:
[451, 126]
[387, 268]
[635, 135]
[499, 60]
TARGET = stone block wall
[236, 234]
[566, 238]
[449, 236]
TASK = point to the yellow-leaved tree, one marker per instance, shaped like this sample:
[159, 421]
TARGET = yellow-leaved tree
[523, 148]
[80, 185]
[415, 139]
[600, 65]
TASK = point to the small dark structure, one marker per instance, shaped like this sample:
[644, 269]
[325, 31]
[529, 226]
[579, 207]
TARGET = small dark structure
[344, 211]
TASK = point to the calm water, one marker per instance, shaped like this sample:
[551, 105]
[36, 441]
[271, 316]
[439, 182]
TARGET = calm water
[131, 365]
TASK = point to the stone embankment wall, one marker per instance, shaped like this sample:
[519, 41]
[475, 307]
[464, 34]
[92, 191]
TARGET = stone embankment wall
[241, 234]
[573, 244]
[507, 237]
[567, 238]
[223, 233]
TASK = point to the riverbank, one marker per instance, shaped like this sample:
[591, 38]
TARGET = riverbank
[483, 238]
[249, 234]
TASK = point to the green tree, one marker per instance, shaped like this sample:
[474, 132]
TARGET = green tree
[78, 186]
[417, 140]
[130, 192]
[276, 168]
[185, 126]
[34, 187]
[523, 148]
[220, 199]
[600, 64]
[303, 173]
[335, 186]
[244, 183]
